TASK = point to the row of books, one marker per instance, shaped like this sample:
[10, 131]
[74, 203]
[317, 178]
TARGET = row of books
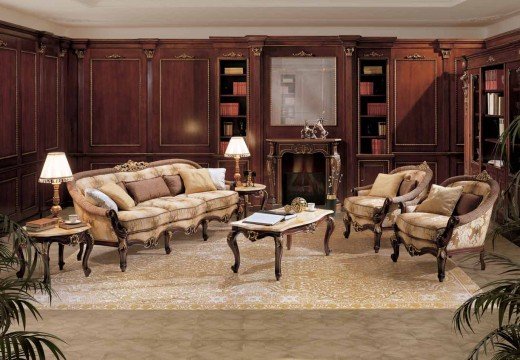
[366, 88]
[229, 109]
[222, 146]
[370, 70]
[494, 80]
[495, 104]
[234, 71]
[381, 127]
[240, 88]
[376, 109]
[378, 146]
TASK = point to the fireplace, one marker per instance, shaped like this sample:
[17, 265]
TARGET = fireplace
[307, 168]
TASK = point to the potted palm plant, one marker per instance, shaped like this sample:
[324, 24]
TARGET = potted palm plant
[501, 297]
[17, 297]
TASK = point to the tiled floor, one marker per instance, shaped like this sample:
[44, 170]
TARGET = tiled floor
[269, 334]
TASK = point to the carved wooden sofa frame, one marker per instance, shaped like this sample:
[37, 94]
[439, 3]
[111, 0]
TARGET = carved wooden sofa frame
[412, 198]
[120, 231]
[440, 244]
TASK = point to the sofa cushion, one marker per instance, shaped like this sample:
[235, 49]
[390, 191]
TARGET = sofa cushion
[143, 190]
[197, 180]
[364, 206]
[216, 200]
[143, 218]
[98, 198]
[174, 183]
[180, 207]
[120, 196]
[441, 200]
[386, 185]
[421, 225]
[218, 176]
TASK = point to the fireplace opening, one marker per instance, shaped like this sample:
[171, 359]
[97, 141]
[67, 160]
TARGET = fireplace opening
[304, 175]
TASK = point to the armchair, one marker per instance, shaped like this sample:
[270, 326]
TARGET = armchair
[365, 212]
[443, 236]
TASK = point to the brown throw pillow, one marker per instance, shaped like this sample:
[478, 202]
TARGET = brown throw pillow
[407, 186]
[174, 183]
[197, 180]
[467, 203]
[143, 190]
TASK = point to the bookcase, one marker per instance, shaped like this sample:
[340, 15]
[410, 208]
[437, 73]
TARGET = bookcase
[233, 99]
[373, 106]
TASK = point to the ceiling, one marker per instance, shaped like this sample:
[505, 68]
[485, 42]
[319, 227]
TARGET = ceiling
[70, 14]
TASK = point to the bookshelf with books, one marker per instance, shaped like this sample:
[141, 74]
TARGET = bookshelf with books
[233, 99]
[372, 106]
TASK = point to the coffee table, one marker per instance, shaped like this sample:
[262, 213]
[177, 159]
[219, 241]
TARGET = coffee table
[305, 222]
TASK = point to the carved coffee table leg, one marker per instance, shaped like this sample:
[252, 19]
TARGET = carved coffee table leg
[61, 263]
[232, 242]
[289, 242]
[89, 246]
[80, 253]
[246, 203]
[45, 256]
[264, 200]
[21, 258]
[278, 250]
[328, 233]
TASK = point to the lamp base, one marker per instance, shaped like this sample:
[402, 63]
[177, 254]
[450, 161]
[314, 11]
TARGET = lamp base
[237, 176]
[56, 208]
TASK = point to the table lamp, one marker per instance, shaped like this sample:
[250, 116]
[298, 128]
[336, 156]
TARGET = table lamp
[237, 148]
[56, 170]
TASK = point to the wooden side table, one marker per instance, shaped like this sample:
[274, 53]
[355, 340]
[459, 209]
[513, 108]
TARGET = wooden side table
[63, 237]
[245, 191]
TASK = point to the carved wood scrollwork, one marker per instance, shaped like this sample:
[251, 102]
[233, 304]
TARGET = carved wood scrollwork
[151, 242]
[3, 43]
[372, 54]
[445, 53]
[491, 59]
[149, 53]
[302, 149]
[252, 235]
[80, 53]
[62, 53]
[415, 56]
[257, 51]
[42, 49]
[483, 176]
[184, 56]
[131, 166]
[114, 56]
[232, 54]
[349, 51]
[302, 54]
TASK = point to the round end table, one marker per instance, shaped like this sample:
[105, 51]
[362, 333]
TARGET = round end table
[245, 191]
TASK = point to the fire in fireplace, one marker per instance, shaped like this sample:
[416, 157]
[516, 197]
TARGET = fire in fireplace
[304, 175]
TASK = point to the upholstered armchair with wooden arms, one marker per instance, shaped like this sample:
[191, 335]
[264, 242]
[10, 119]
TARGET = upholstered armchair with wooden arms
[441, 235]
[367, 212]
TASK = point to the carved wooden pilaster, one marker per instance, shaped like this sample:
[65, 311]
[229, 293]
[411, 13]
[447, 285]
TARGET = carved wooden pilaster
[149, 53]
[349, 51]
[271, 174]
[80, 53]
[257, 51]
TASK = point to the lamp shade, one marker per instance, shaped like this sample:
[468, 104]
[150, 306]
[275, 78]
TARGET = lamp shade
[56, 169]
[237, 147]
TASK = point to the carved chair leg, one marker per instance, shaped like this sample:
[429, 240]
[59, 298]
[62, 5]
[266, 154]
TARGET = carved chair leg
[396, 242]
[377, 237]
[346, 221]
[167, 238]
[205, 230]
[122, 258]
[441, 264]
[482, 260]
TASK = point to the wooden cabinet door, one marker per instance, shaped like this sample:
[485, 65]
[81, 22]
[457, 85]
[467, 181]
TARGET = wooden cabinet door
[369, 169]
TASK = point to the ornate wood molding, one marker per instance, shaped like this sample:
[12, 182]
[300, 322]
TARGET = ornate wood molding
[62, 53]
[349, 51]
[149, 53]
[446, 53]
[233, 54]
[373, 54]
[257, 51]
[114, 56]
[184, 56]
[415, 56]
[3, 43]
[491, 59]
[131, 166]
[80, 53]
[42, 48]
[302, 54]
[483, 176]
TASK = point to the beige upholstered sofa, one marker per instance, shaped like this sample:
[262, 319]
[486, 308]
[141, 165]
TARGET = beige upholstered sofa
[150, 220]
[443, 236]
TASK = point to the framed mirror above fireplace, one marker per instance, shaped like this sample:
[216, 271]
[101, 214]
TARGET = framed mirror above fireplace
[302, 88]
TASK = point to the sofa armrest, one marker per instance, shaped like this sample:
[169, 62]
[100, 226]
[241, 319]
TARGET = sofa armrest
[355, 191]
[80, 201]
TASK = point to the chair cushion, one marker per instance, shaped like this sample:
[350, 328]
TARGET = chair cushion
[363, 205]
[215, 200]
[143, 190]
[386, 185]
[180, 207]
[467, 203]
[441, 200]
[421, 225]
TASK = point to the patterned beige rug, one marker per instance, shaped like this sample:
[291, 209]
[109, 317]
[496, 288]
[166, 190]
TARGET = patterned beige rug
[197, 275]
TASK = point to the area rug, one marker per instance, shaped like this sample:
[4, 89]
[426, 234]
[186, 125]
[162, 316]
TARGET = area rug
[197, 275]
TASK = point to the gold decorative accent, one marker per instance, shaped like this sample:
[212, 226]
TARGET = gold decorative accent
[74, 240]
[424, 166]
[372, 54]
[252, 235]
[42, 49]
[302, 54]
[483, 176]
[232, 54]
[445, 53]
[149, 53]
[303, 149]
[415, 56]
[298, 204]
[190, 230]
[491, 59]
[131, 166]
[184, 56]
[62, 53]
[151, 242]
[225, 218]
[3, 43]
[114, 56]
[349, 51]
[80, 53]
[310, 228]
[257, 51]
